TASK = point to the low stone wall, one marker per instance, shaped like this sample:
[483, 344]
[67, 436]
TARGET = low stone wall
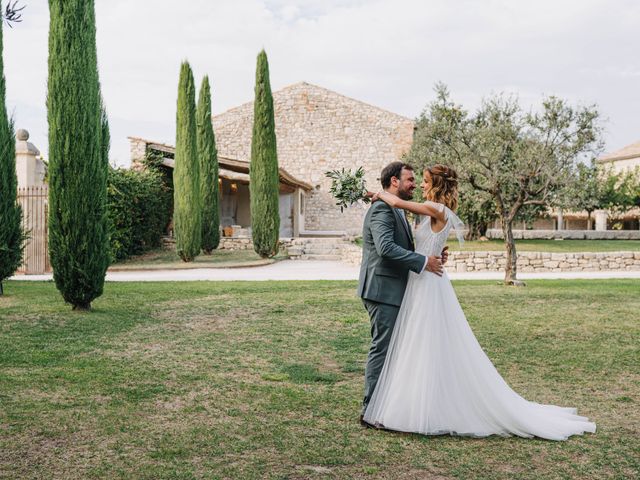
[231, 243]
[544, 261]
[245, 243]
[475, 261]
[568, 234]
[527, 261]
[235, 243]
[226, 243]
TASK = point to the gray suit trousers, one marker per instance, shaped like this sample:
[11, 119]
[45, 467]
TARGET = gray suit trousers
[383, 319]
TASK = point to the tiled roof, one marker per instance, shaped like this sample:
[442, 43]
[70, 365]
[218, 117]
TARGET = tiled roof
[232, 164]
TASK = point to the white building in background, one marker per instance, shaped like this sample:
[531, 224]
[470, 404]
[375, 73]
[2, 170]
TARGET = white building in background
[626, 158]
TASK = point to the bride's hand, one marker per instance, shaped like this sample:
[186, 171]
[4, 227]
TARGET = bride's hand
[373, 196]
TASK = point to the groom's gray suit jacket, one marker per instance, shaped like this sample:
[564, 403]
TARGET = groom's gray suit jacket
[387, 255]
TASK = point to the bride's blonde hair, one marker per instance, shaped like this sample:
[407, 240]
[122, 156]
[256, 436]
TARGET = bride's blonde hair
[444, 186]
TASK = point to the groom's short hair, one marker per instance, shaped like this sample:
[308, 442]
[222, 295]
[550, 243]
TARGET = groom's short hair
[394, 169]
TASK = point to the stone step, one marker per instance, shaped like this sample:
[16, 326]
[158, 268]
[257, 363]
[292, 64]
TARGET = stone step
[168, 241]
[322, 239]
[321, 257]
[323, 251]
[322, 243]
[328, 245]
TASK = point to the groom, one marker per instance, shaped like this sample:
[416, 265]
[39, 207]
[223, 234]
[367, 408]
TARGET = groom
[387, 256]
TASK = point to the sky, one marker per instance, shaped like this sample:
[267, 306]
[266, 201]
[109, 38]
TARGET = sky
[388, 53]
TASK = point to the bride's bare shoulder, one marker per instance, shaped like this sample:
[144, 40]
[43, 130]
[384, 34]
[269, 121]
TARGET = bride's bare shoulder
[438, 206]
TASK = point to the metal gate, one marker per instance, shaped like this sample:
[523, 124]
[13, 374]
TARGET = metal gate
[34, 203]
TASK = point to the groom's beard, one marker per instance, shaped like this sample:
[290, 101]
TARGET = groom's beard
[405, 194]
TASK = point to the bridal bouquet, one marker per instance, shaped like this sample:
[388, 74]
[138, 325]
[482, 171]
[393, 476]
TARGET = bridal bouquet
[348, 187]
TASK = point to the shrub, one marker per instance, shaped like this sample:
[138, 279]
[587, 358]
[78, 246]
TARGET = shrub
[138, 211]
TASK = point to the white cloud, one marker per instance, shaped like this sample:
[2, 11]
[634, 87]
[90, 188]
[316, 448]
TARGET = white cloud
[385, 52]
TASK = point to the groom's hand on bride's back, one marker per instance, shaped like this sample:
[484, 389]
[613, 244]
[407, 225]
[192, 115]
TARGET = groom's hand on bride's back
[434, 265]
[445, 255]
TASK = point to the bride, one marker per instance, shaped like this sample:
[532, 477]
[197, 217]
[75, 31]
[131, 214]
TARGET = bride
[436, 378]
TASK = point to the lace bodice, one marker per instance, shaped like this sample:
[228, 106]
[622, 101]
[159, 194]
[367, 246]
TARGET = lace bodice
[430, 243]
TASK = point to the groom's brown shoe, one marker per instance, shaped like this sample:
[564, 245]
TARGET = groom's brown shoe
[365, 424]
[375, 426]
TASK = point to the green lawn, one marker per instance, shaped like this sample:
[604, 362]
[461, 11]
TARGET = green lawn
[561, 246]
[264, 379]
[169, 259]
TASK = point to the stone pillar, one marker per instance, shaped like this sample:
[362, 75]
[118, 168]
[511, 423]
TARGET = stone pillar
[601, 220]
[30, 169]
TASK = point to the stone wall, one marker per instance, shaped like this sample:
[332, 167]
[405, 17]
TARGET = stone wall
[235, 243]
[138, 149]
[319, 130]
[488, 261]
[231, 243]
[544, 261]
[245, 243]
[527, 261]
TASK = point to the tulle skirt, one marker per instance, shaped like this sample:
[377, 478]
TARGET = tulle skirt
[437, 379]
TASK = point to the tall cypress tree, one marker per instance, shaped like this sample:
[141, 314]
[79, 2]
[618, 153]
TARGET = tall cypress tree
[264, 178]
[187, 213]
[208, 157]
[105, 135]
[78, 238]
[11, 234]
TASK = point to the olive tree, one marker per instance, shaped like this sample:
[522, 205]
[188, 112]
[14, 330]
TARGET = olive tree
[522, 159]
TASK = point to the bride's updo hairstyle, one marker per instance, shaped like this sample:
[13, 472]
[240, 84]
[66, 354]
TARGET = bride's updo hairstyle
[444, 186]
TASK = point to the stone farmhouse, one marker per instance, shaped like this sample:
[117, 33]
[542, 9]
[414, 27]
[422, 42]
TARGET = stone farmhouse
[235, 213]
[317, 130]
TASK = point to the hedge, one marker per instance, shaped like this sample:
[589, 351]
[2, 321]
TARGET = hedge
[138, 211]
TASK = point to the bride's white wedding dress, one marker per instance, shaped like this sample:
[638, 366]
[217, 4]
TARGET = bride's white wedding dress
[437, 379]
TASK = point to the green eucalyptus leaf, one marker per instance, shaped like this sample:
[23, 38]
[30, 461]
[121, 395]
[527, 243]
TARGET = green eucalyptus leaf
[348, 187]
